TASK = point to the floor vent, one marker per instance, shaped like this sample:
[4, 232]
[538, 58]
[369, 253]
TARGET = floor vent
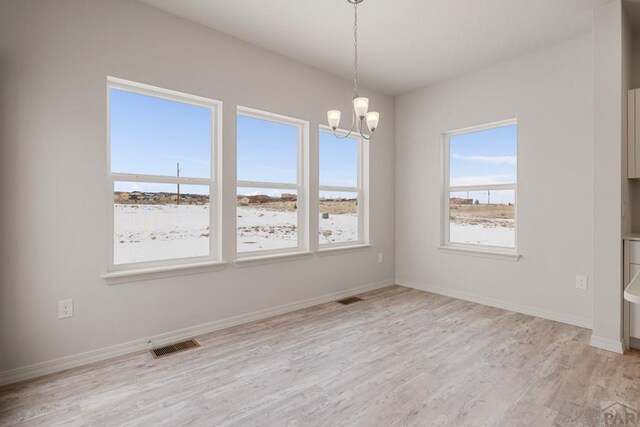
[174, 348]
[350, 300]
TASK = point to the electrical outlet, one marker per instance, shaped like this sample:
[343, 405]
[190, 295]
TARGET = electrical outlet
[582, 282]
[380, 258]
[65, 308]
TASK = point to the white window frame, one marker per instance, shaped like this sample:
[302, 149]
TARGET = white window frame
[301, 186]
[447, 189]
[213, 182]
[361, 190]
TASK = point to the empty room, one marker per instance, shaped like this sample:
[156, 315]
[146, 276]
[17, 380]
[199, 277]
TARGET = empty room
[319, 213]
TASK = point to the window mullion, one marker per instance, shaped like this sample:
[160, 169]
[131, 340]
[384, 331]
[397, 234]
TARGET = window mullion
[338, 188]
[262, 184]
[492, 187]
[160, 179]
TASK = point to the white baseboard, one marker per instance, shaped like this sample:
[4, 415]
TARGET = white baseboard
[76, 360]
[506, 305]
[617, 346]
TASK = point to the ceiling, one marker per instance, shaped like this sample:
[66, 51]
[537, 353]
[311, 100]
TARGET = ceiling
[403, 44]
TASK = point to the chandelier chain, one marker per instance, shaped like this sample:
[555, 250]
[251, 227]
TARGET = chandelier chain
[355, 48]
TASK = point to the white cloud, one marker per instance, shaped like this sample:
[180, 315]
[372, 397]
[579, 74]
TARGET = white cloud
[494, 160]
[481, 180]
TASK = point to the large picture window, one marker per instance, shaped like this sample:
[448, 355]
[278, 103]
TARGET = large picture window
[341, 197]
[162, 186]
[271, 195]
[480, 191]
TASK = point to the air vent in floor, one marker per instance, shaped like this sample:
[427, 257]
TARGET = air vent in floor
[350, 300]
[174, 348]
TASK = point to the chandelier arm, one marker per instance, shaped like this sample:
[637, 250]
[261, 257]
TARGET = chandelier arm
[364, 136]
[344, 136]
[350, 130]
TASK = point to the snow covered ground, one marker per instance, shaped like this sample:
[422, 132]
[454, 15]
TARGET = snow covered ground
[339, 228]
[482, 234]
[262, 229]
[159, 232]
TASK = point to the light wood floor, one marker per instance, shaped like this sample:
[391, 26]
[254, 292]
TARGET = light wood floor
[400, 357]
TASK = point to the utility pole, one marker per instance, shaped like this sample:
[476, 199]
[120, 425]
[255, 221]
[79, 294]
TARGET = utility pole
[178, 175]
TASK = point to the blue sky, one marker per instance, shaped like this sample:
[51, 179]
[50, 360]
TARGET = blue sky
[338, 160]
[485, 157]
[150, 135]
[267, 151]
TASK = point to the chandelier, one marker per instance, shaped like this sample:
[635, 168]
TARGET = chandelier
[360, 113]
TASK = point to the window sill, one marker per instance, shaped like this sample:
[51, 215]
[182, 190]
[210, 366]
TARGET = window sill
[483, 253]
[167, 271]
[339, 249]
[268, 259]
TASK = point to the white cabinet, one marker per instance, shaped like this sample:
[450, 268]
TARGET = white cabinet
[632, 267]
[633, 134]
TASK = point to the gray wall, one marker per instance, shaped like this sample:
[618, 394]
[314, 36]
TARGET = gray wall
[609, 95]
[54, 59]
[550, 92]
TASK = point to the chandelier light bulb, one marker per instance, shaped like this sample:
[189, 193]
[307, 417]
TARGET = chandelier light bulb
[333, 117]
[361, 106]
[373, 117]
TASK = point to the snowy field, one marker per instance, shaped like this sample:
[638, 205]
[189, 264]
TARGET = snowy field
[339, 228]
[482, 234]
[262, 229]
[167, 231]
[157, 232]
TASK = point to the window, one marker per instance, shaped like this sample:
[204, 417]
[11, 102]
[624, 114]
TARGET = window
[341, 196]
[271, 196]
[481, 187]
[162, 191]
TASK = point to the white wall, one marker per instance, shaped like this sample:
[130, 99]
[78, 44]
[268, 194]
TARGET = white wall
[609, 96]
[550, 92]
[54, 59]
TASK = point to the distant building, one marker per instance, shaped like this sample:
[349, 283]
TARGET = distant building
[460, 201]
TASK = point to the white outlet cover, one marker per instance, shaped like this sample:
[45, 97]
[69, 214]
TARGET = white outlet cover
[582, 282]
[65, 308]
